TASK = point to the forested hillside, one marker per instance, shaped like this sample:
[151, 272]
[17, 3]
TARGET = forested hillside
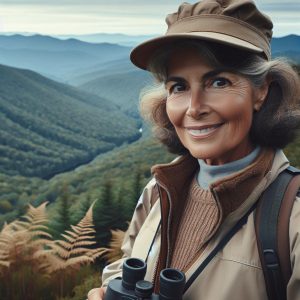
[122, 89]
[48, 127]
[124, 171]
[117, 66]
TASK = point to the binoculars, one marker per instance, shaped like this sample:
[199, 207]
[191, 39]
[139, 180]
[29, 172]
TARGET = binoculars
[132, 285]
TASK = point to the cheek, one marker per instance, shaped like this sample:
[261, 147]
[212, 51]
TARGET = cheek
[239, 118]
[235, 106]
[176, 110]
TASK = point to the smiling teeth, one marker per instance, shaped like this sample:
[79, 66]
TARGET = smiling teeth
[202, 131]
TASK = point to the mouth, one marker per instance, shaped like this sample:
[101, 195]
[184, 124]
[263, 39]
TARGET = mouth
[203, 131]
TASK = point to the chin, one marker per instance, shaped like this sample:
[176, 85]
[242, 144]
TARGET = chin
[202, 154]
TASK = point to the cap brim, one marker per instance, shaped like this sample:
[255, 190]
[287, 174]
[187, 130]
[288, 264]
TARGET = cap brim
[141, 55]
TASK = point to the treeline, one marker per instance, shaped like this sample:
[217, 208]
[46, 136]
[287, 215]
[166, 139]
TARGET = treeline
[121, 166]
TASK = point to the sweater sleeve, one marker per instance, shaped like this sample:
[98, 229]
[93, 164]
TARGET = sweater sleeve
[293, 288]
[141, 212]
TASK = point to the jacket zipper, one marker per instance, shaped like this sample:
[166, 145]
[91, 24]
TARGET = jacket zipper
[159, 185]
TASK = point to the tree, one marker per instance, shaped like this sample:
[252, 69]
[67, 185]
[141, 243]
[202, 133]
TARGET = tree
[108, 214]
[63, 219]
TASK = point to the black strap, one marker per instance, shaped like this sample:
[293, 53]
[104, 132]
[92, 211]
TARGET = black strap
[220, 246]
[152, 243]
[267, 233]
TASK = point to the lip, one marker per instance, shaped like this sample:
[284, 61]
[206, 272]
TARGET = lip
[192, 130]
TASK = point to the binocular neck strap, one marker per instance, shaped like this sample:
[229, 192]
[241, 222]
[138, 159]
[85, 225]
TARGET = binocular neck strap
[154, 238]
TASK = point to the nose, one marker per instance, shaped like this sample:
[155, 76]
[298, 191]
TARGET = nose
[197, 104]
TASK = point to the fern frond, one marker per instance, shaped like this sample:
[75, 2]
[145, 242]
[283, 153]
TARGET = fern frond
[84, 243]
[98, 252]
[114, 252]
[68, 238]
[80, 260]
[41, 234]
[76, 229]
[74, 250]
[39, 227]
[86, 237]
[79, 250]
[71, 233]
[19, 240]
[66, 245]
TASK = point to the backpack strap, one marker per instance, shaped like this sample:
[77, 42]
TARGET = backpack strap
[272, 218]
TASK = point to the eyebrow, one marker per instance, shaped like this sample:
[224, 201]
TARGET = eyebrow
[205, 77]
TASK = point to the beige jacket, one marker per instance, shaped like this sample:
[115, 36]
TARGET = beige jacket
[235, 272]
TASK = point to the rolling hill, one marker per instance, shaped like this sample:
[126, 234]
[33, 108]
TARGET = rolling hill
[123, 89]
[48, 127]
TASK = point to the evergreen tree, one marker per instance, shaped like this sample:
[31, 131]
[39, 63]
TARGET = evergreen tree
[84, 205]
[136, 190]
[137, 185]
[108, 214]
[63, 220]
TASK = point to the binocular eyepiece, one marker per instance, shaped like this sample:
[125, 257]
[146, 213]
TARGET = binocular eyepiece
[133, 286]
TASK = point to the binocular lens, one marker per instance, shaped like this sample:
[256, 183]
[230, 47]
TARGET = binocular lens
[172, 283]
[134, 270]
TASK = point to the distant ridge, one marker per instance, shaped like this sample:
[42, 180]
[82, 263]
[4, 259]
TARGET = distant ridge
[116, 38]
[286, 43]
[54, 57]
[45, 42]
[67, 59]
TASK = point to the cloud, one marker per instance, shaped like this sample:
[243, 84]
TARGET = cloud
[124, 16]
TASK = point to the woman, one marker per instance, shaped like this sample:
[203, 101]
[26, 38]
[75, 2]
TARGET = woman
[227, 109]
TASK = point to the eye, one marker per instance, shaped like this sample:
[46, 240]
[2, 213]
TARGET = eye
[176, 88]
[219, 82]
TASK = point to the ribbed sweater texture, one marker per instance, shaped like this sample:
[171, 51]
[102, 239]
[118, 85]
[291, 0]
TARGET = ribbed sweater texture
[199, 219]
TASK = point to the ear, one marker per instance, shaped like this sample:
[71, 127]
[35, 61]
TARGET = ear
[261, 95]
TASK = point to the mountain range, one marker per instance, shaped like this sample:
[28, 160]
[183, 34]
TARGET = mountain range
[56, 58]
[65, 60]
[53, 127]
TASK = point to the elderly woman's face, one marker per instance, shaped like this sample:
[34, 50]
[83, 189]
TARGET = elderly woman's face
[211, 109]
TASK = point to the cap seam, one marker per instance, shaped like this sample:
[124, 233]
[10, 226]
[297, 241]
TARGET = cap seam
[214, 16]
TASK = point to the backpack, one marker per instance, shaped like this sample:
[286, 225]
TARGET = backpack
[272, 218]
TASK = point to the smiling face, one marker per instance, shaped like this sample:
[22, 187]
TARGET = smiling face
[211, 109]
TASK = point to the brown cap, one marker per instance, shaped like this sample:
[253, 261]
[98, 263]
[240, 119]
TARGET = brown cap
[237, 23]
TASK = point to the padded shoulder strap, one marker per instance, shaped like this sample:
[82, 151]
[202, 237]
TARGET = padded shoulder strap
[272, 231]
[292, 190]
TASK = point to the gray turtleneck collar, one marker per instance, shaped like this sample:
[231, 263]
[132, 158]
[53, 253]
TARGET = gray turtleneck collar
[209, 174]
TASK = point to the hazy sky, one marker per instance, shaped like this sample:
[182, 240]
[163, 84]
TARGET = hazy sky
[124, 16]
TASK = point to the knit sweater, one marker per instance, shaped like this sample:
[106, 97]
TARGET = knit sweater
[203, 215]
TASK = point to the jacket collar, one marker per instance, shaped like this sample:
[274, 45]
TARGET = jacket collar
[176, 177]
